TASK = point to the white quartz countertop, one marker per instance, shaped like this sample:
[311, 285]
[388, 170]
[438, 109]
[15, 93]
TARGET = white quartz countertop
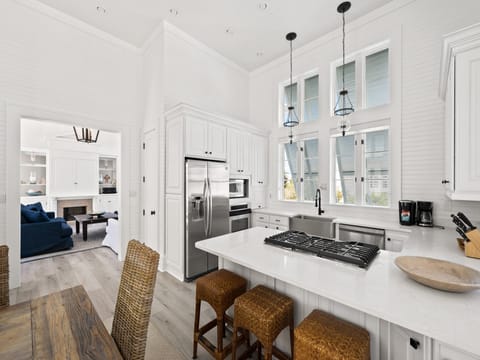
[382, 290]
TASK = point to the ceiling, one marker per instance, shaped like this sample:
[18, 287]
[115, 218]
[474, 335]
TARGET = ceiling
[257, 36]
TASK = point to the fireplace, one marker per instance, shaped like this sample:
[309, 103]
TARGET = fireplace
[70, 207]
[70, 212]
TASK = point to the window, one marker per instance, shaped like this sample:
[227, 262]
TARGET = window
[350, 82]
[311, 105]
[369, 88]
[362, 168]
[305, 98]
[377, 87]
[300, 170]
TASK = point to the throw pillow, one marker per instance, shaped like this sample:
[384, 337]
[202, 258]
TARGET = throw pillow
[33, 216]
[36, 206]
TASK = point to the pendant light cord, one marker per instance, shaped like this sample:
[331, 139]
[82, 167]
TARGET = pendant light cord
[291, 73]
[343, 51]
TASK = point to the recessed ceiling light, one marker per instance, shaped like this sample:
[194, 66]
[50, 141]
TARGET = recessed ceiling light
[101, 10]
[259, 53]
[174, 12]
[263, 6]
[229, 31]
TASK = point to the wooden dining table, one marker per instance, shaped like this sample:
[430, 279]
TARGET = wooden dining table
[62, 325]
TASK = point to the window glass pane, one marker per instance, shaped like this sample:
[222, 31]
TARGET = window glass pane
[377, 181]
[311, 112]
[345, 170]
[290, 176]
[349, 81]
[376, 79]
[293, 91]
[310, 164]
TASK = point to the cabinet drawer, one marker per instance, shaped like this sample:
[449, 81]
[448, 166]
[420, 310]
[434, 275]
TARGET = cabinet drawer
[261, 218]
[279, 220]
[278, 227]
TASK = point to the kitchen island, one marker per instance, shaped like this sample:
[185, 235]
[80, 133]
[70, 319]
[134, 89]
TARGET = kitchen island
[397, 311]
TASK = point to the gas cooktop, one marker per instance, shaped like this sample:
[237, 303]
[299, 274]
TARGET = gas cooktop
[346, 251]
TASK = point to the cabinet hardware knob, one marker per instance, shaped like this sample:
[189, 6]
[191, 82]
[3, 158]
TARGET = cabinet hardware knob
[210, 152]
[414, 343]
[388, 239]
[445, 181]
[152, 212]
[206, 152]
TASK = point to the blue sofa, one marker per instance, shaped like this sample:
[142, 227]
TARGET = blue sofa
[41, 232]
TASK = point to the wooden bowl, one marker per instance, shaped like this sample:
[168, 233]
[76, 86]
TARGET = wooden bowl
[439, 274]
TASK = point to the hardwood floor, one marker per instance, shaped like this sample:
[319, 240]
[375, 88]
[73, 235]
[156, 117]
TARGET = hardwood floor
[98, 270]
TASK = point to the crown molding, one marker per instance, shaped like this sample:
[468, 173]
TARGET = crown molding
[78, 24]
[334, 35]
[173, 30]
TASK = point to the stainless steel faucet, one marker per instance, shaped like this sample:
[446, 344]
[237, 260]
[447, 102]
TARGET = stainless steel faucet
[318, 202]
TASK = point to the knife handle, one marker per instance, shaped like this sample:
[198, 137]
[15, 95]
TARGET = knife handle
[462, 234]
[459, 223]
[464, 218]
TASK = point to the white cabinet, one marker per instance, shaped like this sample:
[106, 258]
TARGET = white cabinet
[107, 203]
[442, 351]
[259, 159]
[239, 152]
[404, 344]
[461, 87]
[175, 240]
[74, 174]
[204, 139]
[394, 240]
[258, 197]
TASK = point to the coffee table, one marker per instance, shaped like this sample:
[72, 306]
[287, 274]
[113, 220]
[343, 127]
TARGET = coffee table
[86, 220]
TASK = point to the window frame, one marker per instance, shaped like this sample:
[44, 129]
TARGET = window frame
[360, 165]
[300, 166]
[300, 80]
[359, 57]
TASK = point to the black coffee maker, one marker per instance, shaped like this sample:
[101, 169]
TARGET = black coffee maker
[406, 212]
[425, 213]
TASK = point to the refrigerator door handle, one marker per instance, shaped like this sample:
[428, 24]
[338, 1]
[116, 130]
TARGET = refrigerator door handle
[205, 208]
[210, 208]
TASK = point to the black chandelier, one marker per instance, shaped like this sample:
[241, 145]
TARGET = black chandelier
[343, 106]
[292, 119]
[86, 135]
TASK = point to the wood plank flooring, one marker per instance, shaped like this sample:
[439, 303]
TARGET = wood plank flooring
[98, 270]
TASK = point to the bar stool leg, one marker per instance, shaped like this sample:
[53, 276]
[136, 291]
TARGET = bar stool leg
[220, 331]
[259, 350]
[268, 351]
[196, 327]
[234, 342]
[291, 336]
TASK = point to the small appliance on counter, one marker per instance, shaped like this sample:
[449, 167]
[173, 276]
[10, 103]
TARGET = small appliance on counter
[406, 212]
[425, 213]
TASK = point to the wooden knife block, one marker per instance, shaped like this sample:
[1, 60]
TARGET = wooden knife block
[472, 247]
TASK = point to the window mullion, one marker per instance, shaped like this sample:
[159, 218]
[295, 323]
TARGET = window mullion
[358, 169]
[301, 169]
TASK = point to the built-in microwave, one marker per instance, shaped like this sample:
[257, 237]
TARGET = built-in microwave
[238, 188]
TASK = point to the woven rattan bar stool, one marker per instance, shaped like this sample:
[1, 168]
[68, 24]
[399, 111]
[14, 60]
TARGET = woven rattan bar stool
[265, 313]
[324, 336]
[4, 298]
[219, 289]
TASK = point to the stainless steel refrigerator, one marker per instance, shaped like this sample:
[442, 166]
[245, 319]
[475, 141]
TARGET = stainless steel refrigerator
[207, 211]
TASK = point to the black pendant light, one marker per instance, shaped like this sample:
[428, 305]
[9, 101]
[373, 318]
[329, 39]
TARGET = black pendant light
[343, 106]
[87, 135]
[292, 118]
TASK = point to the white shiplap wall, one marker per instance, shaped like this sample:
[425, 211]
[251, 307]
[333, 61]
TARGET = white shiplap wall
[422, 24]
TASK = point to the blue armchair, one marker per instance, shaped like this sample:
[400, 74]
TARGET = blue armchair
[42, 233]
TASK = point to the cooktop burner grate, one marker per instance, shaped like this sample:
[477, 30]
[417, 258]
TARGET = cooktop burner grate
[347, 251]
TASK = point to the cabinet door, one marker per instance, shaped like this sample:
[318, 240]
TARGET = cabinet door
[467, 124]
[395, 240]
[86, 180]
[406, 344]
[196, 137]
[446, 352]
[259, 160]
[217, 141]
[64, 176]
[233, 139]
[449, 177]
[259, 197]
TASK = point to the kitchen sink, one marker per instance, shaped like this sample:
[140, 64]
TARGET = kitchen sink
[313, 225]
